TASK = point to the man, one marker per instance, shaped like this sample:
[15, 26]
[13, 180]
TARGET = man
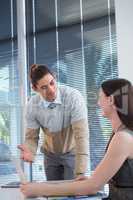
[61, 113]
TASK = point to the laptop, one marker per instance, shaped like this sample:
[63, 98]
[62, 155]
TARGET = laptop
[19, 170]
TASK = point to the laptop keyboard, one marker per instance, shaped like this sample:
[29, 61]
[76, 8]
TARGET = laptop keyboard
[15, 184]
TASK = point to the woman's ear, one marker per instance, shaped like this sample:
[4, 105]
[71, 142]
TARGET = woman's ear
[111, 100]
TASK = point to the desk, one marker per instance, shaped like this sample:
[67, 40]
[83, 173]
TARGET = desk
[15, 194]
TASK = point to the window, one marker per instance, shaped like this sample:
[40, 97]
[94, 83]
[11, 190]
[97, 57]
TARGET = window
[77, 39]
[10, 108]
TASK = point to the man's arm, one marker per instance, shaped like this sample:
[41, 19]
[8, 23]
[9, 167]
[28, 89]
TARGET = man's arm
[31, 139]
[80, 129]
[29, 148]
[79, 121]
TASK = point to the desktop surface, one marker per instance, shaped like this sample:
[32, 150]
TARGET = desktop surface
[15, 194]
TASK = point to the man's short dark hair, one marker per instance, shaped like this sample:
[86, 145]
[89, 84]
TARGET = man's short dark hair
[37, 72]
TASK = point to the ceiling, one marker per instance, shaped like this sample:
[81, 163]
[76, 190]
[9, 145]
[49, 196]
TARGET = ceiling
[68, 13]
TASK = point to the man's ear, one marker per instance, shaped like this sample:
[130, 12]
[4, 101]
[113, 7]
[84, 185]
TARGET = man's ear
[34, 88]
[55, 75]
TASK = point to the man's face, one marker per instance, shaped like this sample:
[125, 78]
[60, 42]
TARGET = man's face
[47, 87]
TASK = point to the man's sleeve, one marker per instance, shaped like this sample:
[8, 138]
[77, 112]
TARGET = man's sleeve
[79, 121]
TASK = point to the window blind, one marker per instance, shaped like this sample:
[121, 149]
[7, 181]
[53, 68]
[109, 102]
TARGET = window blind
[10, 109]
[83, 52]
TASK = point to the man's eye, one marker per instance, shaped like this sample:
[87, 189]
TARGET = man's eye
[44, 88]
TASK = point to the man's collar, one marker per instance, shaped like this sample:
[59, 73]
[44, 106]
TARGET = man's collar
[46, 104]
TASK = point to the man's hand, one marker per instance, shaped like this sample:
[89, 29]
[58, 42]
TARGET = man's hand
[26, 154]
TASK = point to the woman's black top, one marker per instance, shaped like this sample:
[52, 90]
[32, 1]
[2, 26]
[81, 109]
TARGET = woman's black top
[121, 185]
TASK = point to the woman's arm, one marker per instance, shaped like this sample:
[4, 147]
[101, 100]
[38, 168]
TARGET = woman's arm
[59, 189]
[117, 153]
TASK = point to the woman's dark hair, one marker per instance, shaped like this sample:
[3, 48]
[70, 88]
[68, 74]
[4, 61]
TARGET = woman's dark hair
[37, 72]
[122, 91]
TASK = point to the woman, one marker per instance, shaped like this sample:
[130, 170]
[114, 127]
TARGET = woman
[116, 102]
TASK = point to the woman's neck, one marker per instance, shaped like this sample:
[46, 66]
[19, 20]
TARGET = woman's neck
[116, 123]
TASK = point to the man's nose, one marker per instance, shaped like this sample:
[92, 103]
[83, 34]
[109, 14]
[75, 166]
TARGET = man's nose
[50, 88]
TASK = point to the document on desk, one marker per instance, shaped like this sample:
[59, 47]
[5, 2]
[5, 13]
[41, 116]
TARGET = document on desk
[20, 174]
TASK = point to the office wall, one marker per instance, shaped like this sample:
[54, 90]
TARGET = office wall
[124, 30]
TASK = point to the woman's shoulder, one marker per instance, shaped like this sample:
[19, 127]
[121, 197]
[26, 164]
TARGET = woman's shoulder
[124, 133]
[124, 141]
